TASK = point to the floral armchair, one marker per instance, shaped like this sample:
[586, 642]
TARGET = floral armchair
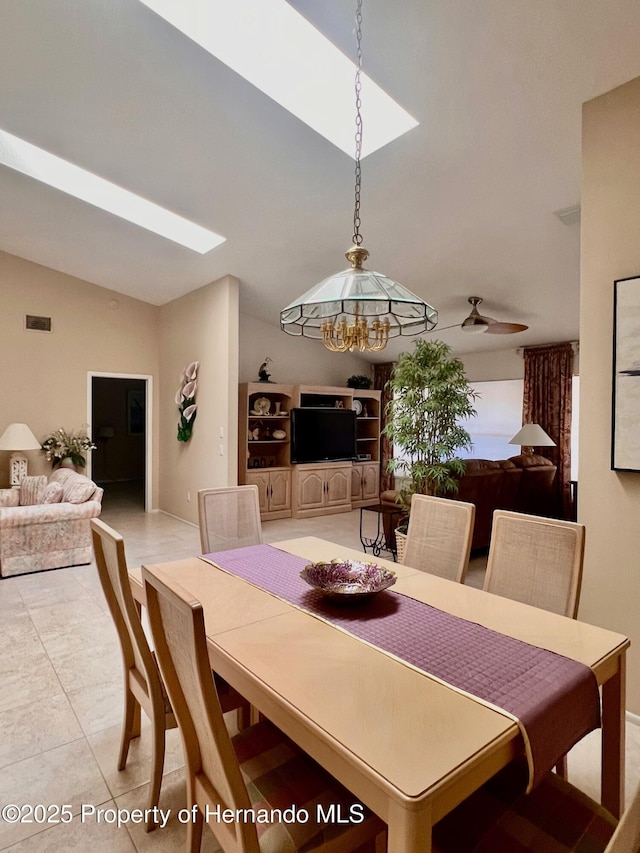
[45, 524]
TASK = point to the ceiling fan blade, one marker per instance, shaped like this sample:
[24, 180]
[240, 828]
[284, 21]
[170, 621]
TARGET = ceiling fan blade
[442, 328]
[497, 328]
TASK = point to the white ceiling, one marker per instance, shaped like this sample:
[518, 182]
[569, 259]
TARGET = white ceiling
[462, 205]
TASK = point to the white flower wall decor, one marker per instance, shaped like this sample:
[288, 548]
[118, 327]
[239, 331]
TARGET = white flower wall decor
[186, 400]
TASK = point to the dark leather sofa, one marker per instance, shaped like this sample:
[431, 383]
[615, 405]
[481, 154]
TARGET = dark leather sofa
[522, 483]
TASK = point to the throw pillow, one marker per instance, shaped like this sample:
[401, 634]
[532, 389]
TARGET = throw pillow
[78, 491]
[52, 494]
[32, 490]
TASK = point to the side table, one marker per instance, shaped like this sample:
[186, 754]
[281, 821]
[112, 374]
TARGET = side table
[389, 517]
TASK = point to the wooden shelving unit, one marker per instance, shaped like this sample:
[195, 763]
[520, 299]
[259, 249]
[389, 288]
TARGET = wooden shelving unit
[310, 489]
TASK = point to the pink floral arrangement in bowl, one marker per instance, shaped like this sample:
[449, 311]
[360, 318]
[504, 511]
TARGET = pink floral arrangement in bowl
[348, 579]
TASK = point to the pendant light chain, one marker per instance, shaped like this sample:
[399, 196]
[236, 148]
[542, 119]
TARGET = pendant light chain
[357, 309]
[357, 237]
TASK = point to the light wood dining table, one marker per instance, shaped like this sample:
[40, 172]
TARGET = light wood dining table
[408, 746]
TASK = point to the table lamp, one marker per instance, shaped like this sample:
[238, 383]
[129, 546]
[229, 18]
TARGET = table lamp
[530, 436]
[18, 437]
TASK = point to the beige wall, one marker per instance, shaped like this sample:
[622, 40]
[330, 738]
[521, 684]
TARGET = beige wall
[609, 502]
[295, 360]
[43, 381]
[201, 326]
[489, 366]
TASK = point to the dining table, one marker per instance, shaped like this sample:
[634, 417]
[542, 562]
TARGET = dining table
[405, 742]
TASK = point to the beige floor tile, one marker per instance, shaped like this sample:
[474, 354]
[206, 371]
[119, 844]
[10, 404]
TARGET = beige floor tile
[69, 638]
[29, 729]
[27, 678]
[18, 637]
[88, 666]
[68, 774]
[173, 836]
[98, 707]
[79, 836]
[106, 746]
[64, 616]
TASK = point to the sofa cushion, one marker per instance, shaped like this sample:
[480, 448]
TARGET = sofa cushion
[52, 494]
[531, 460]
[32, 490]
[78, 491]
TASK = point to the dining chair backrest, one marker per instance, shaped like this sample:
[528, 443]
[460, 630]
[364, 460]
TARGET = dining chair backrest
[177, 626]
[439, 536]
[143, 686]
[536, 560]
[229, 518]
[111, 562]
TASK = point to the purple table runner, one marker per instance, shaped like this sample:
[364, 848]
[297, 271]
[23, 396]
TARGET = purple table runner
[554, 699]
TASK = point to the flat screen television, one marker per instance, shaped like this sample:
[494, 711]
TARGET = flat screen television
[322, 435]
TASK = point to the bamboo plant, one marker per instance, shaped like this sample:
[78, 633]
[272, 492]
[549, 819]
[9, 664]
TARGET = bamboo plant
[431, 398]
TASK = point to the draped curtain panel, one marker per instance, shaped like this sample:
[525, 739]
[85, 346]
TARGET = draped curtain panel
[547, 401]
[381, 376]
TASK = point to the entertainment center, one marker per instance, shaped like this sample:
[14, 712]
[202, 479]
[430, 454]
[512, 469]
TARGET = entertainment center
[310, 449]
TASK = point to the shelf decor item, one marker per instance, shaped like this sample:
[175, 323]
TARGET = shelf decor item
[359, 382]
[263, 370]
[186, 400]
[357, 308]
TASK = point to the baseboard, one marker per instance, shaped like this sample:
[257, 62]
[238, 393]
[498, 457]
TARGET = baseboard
[634, 719]
[177, 518]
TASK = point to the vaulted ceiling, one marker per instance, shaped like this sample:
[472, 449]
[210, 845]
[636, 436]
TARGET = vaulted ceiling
[465, 204]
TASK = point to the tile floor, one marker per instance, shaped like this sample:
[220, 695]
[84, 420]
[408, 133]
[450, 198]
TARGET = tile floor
[61, 697]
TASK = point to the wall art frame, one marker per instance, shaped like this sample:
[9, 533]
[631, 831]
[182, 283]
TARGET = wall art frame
[625, 414]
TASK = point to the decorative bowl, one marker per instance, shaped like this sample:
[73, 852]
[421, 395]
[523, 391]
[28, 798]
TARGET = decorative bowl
[261, 406]
[348, 580]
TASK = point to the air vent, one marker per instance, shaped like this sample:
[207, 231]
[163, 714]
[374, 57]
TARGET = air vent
[38, 324]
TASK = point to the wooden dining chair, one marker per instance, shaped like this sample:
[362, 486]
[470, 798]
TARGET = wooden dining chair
[143, 686]
[258, 768]
[555, 816]
[229, 517]
[439, 536]
[537, 561]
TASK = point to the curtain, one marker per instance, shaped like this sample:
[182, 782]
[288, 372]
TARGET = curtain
[381, 376]
[547, 401]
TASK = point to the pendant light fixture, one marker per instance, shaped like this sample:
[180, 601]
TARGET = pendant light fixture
[357, 308]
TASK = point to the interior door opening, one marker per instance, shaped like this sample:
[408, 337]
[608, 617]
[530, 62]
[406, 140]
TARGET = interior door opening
[119, 426]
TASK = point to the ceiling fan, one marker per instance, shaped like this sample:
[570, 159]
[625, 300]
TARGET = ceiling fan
[476, 322]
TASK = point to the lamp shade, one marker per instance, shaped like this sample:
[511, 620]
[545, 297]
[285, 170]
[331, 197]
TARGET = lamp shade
[361, 294]
[532, 435]
[19, 437]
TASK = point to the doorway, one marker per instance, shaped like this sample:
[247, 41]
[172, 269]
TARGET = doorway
[119, 407]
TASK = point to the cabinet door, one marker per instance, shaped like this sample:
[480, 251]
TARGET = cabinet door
[356, 482]
[311, 486]
[338, 490]
[370, 481]
[280, 491]
[262, 482]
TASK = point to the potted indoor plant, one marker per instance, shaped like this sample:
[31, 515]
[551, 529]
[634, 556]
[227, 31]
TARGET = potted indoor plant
[431, 398]
[67, 449]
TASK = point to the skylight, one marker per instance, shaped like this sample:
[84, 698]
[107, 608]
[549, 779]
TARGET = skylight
[273, 47]
[56, 172]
